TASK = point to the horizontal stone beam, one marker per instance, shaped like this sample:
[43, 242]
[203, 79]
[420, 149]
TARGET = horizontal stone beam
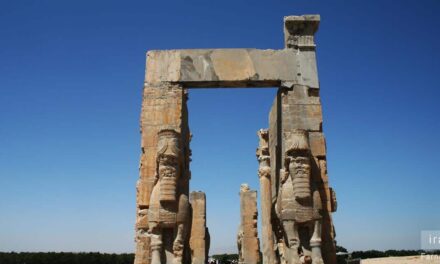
[231, 67]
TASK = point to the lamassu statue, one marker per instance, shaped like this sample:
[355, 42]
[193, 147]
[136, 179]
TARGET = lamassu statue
[299, 205]
[169, 209]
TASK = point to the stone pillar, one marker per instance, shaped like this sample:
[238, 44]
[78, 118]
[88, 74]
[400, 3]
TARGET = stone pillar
[300, 109]
[199, 241]
[163, 108]
[248, 243]
[264, 173]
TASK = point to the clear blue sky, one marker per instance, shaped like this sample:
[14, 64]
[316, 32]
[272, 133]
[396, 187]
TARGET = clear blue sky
[71, 75]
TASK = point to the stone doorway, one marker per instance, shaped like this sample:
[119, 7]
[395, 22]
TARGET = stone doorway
[296, 200]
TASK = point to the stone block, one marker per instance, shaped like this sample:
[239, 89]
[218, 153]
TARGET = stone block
[299, 116]
[230, 67]
[317, 144]
[144, 188]
[142, 219]
[300, 94]
[299, 31]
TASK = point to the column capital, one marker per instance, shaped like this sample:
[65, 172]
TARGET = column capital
[299, 31]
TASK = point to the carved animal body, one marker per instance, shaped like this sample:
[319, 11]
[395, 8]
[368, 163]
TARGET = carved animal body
[169, 209]
[298, 210]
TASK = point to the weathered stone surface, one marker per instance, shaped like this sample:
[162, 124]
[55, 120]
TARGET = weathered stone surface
[231, 67]
[169, 206]
[300, 94]
[299, 204]
[307, 117]
[163, 210]
[142, 248]
[199, 241]
[275, 145]
[317, 144]
[247, 238]
[142, 219]
[162, 107]
[264, 174]
[299, 31]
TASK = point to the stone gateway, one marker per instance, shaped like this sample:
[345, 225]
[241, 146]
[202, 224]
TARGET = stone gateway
[295, 197]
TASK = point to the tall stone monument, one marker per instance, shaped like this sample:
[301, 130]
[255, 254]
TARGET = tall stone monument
[296, 199]
[199, 240]
[247, 237]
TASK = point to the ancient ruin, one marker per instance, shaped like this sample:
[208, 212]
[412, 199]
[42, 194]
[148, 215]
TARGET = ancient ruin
[296, 200]
[247, 237]
[199, 239]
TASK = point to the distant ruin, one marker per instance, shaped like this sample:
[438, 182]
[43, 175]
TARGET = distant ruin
[296, 200]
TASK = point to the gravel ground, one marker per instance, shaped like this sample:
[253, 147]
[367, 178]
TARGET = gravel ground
[404, 260]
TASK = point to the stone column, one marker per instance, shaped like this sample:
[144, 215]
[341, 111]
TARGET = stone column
[199, 241]
[264, 173]
[163, 107]
[248, 243]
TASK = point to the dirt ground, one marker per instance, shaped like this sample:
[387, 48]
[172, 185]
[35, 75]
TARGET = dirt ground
[404, 260]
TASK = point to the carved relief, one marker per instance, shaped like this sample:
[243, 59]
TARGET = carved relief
[169, 209]
[263, 154]
[299, 204]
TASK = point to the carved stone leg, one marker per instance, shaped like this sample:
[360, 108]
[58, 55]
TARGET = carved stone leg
[178, 245]
[156, 246]
[315, 243]
[291, 230]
